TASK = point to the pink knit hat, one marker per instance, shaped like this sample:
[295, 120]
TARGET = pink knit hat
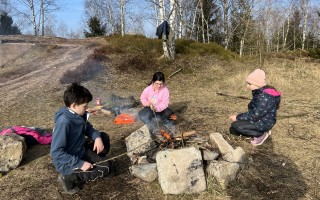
[257, 77]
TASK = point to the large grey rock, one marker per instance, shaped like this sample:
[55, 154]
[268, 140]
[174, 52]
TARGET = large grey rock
[12, 150]
[217, 140]
[237, 155]
[139, 141]
[147, 172]
[223, 171]
[181, 171]
[209, 155]
[228, 153]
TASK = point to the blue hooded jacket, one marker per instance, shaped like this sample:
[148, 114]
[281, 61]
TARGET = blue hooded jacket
[262, 109]
[68, 140]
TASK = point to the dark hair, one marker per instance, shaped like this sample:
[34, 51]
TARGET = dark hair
[76, 93]
[158, 76]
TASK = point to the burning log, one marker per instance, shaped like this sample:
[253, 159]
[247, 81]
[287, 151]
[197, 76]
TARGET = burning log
[186, 134]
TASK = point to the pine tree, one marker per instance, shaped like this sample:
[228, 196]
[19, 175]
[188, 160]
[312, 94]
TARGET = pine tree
[95, 28]
[6, 25]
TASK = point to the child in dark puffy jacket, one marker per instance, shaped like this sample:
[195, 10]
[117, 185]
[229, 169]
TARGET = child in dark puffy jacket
[258, 121]
[75, 159]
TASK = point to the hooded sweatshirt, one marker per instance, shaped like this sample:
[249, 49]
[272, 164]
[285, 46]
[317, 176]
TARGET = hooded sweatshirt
[160, 97]
[262, 109]
[68, 140]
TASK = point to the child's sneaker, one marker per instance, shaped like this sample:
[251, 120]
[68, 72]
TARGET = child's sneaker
[259, 140]
[68, 183]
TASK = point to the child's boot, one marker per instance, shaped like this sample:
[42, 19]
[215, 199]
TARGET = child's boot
[69, 183]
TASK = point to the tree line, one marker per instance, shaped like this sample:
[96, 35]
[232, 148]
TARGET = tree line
[242, 26]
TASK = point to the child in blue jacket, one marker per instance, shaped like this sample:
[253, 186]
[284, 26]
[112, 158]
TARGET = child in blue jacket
[258, 121]
[73, 156]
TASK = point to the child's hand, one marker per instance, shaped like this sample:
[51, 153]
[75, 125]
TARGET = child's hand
[152, 107]
[98, 145]
[233, 117]
[92, 111]
[86, 165]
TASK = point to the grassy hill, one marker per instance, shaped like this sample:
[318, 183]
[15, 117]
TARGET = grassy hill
[286, 166]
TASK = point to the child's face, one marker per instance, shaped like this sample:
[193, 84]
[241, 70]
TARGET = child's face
[252, 87]
[79, 109]
[157, 85]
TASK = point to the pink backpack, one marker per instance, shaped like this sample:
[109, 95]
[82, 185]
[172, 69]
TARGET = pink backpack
[22, 130]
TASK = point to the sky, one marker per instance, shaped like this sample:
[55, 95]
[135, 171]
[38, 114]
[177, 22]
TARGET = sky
[73, 10]
[71, 13]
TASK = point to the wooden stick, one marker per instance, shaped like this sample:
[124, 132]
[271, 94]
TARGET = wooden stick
[186, 134]
[106, 112]
[175, 73]
[230, 95]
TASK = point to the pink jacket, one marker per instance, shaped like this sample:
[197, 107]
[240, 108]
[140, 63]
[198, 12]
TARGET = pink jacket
[23, 130]
[160, 98]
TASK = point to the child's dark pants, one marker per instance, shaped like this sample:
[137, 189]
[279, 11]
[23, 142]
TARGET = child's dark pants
[146, 115]
[244, 128]
[99, 170]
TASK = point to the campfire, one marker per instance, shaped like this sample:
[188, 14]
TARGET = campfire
[182, 162]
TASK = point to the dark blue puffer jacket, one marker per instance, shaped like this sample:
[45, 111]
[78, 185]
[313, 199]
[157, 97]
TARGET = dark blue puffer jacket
[262, 110]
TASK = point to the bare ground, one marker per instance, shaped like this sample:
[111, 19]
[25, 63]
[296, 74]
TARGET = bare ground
[287, 166]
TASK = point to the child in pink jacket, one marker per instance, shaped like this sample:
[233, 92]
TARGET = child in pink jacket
[155, 99]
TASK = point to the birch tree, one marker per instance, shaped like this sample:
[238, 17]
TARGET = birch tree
[34, 11]
[172, 23]
[304, 8]
[122, 4]
[242, 17]
[226, 4]
[287, 27]
[162, 12]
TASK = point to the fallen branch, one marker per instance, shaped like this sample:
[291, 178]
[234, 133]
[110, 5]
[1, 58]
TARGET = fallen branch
[230, 95]
[174, 73]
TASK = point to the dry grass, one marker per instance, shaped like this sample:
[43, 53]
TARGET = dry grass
[287, 166]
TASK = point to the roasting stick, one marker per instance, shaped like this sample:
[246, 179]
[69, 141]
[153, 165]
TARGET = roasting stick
[185, 134]
[154, 113]
[118, 156]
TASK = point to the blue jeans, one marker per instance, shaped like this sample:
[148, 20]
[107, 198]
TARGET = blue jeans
[146, 115]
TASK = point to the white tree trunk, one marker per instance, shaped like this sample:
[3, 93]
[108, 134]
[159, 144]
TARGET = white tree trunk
[110, 16]
[278, 40]
[42, 17]
[122, 13]
[241, 47]
[247, 23]
[162, 12]
[33, 17]
[180, 20]
[288, 26]
[172, 23]
[155, 2]
[194, 18]
[202, 22]
[305, 8]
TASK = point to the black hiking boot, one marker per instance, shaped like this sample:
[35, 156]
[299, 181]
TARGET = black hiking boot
[112, 169]
[108, 168]
[69, 183]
